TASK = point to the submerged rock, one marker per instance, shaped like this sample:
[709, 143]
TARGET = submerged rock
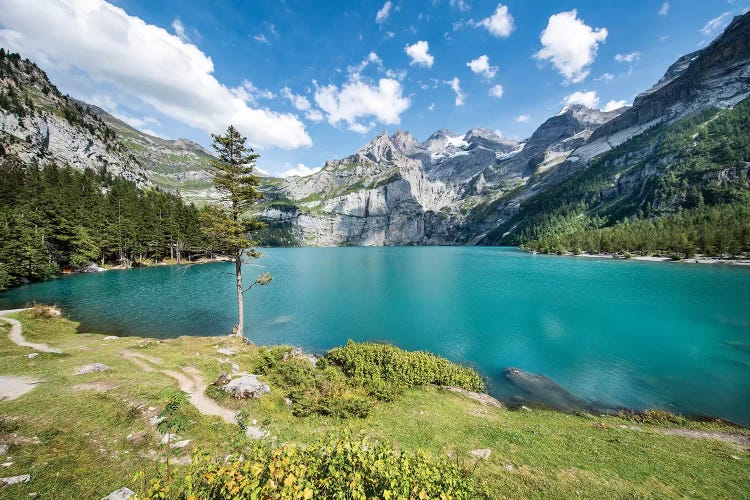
[543, 389]
[247, 386]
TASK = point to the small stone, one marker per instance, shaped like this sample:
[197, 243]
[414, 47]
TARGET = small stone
[254, 422]
[509, 467]
[169, 438]
[32, 355]
[111, 337]
[155, 420]
[525, 408]
[222, 380]
[6, 464]
[23, 478]
[180, 444]
[288, 401]
[121, 494]
[226, 351]
[247, 386]
[255, 432]
[482, 453]
[735, 457]
[92, 368]
[3, 449]
[137, 438]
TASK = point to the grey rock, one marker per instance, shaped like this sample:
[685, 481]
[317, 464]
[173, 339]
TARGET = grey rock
[32, 355]
[9, 481]
[247, 386]
[254, 432]
[180, 444]
[121, 494]
[3, 449]
[226, 351]
[92, 368]
[482, 453]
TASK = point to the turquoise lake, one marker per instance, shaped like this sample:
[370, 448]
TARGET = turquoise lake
[617, 333]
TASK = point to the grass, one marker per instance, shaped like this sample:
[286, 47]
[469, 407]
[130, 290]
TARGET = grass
[83, 450]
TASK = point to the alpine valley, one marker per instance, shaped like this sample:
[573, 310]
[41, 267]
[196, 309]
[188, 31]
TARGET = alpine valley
[582, 171]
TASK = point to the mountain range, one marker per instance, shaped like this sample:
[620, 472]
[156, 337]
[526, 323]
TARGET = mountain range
[581, 168]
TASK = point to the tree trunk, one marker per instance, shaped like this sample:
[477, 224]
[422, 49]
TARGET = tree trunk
[240, 305]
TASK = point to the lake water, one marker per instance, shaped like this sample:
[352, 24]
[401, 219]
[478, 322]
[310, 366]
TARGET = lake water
[619, 333]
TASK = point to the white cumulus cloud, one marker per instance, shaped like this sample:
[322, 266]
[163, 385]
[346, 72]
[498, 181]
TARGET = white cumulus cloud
[383, 13]
[588, 99]
[300, 170]
[419, 53]
[314, 115]
[300, 102]
[455, 84]
[613, 105]
[357, 99]
[500, 23]
[481, 66]
[523, 118]
[496, 91]
[141, 60]
[570, 45]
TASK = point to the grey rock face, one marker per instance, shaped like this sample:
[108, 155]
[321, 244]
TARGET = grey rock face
[121, 494]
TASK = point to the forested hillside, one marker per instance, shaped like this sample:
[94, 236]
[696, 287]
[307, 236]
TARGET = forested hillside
[677, 189]
[55, 217]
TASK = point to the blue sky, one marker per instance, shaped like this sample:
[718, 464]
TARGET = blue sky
[310, 81]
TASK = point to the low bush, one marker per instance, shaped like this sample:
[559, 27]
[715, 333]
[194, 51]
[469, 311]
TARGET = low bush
[339, 467]
[320, 389]
[384, 370]
[653, 416]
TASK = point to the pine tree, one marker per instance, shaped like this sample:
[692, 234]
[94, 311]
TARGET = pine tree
[233, 178]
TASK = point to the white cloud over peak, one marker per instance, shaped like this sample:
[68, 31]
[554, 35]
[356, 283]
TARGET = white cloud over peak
[357, 99]
[570, 45]
[419, 53]
[628, 58]
[455, 84]
[588, 99]
[300, 170]
[500, 23]
[523, 118]
[496, 91]
[481, 66]
[716, 23]
[664, 9]
[613, 105]
[142, 61]
[384, 12]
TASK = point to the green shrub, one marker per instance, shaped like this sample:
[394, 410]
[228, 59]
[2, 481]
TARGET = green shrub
[321, 389]
[335, 468]
[654, 416]
[384, 370]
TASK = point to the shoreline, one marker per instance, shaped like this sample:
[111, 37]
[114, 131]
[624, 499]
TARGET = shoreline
[698, 259]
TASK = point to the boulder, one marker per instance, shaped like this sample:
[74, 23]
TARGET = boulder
[247, 386]
[222, 380]
[3, 449]
[92, 267]
[23, 478]
[121, 494]
[92, 368]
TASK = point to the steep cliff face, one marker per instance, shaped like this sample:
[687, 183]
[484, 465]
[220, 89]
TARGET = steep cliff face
[39, 124]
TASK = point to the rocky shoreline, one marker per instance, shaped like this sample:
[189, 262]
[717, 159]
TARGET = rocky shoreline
[698, 259]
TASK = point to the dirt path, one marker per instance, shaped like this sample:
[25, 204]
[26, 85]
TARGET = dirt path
[192, 382]
[16, 334]
[739, 440]
[139, 360]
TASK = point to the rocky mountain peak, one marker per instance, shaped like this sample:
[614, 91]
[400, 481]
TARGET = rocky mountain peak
[379, 149]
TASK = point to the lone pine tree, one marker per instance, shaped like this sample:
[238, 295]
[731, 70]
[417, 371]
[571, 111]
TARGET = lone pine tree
[227, 224]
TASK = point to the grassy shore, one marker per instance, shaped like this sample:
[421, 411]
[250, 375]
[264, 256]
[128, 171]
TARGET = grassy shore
[83, 436]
